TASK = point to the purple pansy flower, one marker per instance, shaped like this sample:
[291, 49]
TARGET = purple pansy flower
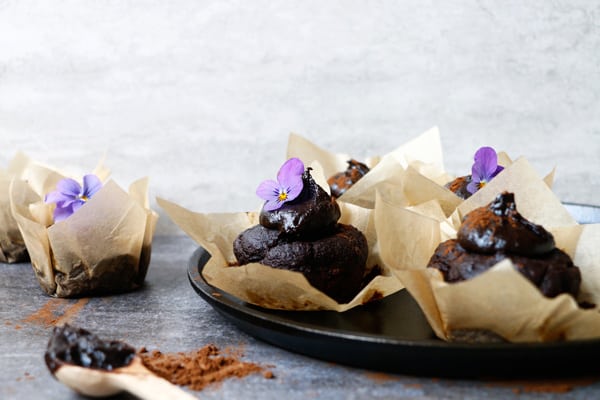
[484, 168]
[288, 186]
[69, 196]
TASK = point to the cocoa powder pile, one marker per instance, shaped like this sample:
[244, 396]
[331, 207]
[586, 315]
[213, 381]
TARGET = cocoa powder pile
[199, 368]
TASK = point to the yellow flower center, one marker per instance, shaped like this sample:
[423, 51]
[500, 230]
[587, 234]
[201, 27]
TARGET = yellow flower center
[282, 196]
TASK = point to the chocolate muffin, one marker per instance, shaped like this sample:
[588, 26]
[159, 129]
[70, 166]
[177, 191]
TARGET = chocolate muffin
[304, 236]
[342, 181]
[497, 231]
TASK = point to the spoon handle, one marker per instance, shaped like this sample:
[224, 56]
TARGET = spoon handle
[148, 386]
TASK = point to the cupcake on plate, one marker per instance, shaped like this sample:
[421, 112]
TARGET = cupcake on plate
[490, 272]
[299, 231]
[302, 250]
[495, 232]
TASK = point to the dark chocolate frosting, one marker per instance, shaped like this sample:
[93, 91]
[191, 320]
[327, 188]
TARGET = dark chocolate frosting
[80, 347]
[496, 232]
[312, 212]
[553, 273]
[498, 227]
[459, 186]
[342, 181]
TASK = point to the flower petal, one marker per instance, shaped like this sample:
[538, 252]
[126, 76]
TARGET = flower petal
[268, 190]
[91, 184]
[486, 162]
[294, 190]
[69, 187]
[57, 197]
[290, 170]
[76, 205]
[271, 205]
[62, 213]
[472, 186]
[498, 170]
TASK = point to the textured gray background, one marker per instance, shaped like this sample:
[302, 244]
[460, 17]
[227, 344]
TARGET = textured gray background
[201, 95]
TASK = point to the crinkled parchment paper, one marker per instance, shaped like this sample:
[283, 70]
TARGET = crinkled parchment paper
[104, 247]
[271, 287]
[39, 176]
[500, 300]
[423, 154]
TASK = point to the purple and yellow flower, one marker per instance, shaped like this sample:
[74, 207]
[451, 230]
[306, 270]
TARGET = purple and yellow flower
[69, 196]
[287, 188]
[484, 168]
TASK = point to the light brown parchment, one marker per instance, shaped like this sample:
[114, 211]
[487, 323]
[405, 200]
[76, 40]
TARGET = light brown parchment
[12, 246]
[500, 300]
[21, 167]
[271, 287]
[423, 154]
[102, 248]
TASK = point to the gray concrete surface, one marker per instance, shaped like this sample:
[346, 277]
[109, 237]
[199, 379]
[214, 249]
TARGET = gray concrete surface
[169, 316]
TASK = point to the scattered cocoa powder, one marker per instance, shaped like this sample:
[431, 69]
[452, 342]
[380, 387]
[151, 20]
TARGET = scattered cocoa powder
[56, 312]
[381, 377]
[545, 386]
[199, 368]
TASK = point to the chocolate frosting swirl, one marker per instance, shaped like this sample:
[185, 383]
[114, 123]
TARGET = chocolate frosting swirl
[498, 227]
[459, 186]
[313, 211]
[342, 181]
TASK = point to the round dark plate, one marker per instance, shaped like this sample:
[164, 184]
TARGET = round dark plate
[393, 335]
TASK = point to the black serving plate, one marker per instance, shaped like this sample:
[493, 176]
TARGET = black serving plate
[392, 335]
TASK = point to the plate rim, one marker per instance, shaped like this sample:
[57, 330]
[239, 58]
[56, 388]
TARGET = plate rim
[232, 302]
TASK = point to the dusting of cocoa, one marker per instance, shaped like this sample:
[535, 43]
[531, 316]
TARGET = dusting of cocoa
[56, 312]
[199, 368]
[381, 377]
[26, 377]
[545, 386]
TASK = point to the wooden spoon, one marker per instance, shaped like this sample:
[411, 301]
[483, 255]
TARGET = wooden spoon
[133, 378]
[98, 368]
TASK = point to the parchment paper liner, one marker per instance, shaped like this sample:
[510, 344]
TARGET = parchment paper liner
[12, 246]
[271, 287]
[104, 247]
[21, 167]
[423, 154]
[500, 300]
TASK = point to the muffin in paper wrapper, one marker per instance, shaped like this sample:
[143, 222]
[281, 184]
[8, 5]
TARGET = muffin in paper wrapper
[422, 154]
[21, 167]
[269, 287]
[499, 304]
[102, 248]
